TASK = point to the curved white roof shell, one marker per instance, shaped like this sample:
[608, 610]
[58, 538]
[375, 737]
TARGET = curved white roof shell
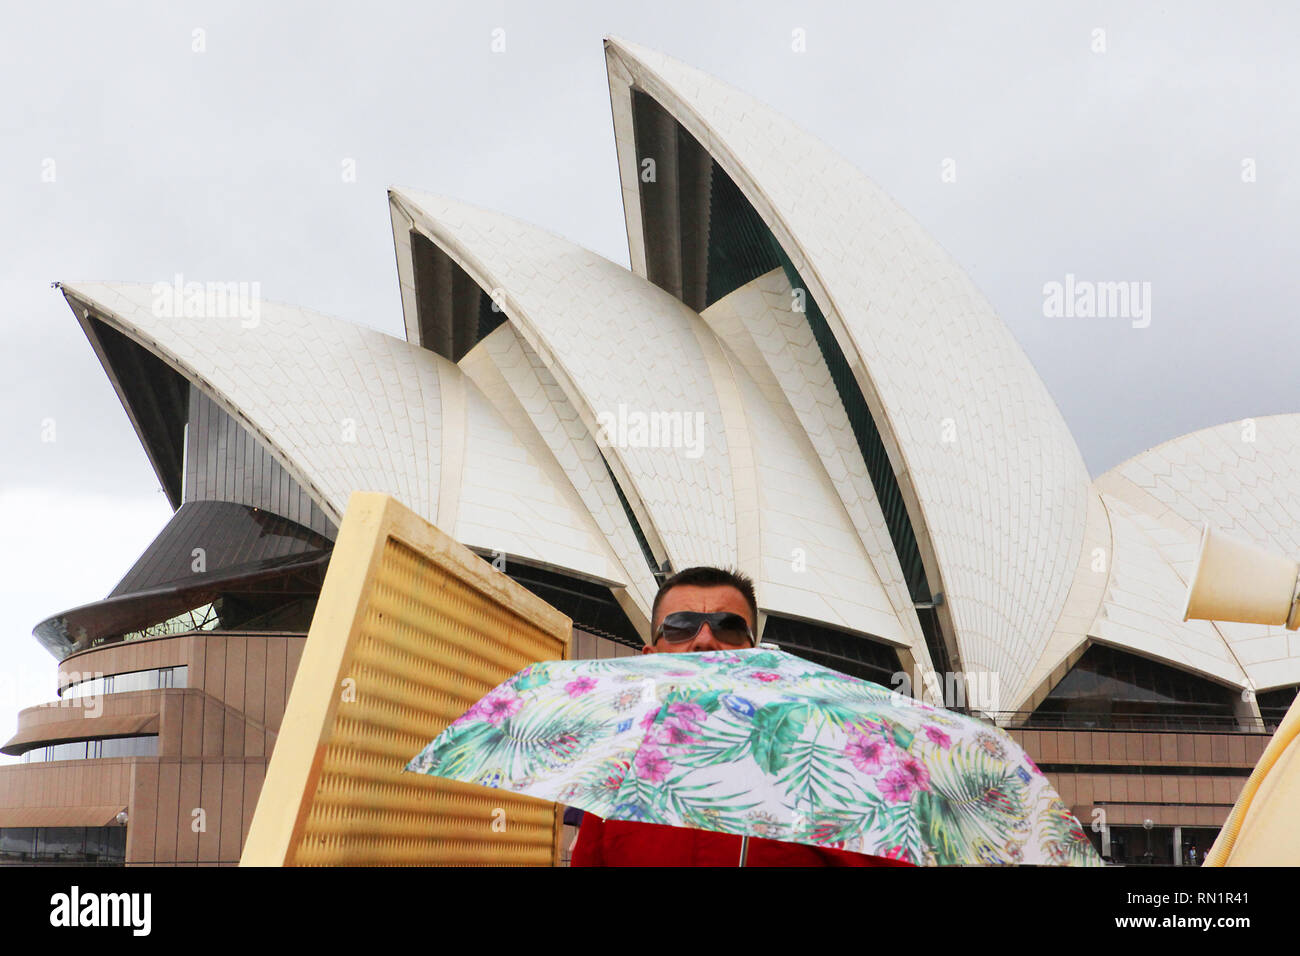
[518, 434]
[609, 340]
[775, 347]
[346, 408]
[969, 427]
[523, 392]
[1240, 477]
[1145, 595]
[605, 344]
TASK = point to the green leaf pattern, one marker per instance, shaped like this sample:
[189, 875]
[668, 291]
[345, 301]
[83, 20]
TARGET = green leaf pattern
[762, 743]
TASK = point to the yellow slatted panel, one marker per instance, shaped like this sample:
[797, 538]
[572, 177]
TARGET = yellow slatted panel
[411, 629]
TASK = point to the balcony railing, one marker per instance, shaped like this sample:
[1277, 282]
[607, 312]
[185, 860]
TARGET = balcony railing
[1166, 723]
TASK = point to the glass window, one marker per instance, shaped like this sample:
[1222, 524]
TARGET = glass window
[63, 845]
[144, 745]
[17, 844]
[1111, 689]
[105, 843]
[1273, 705]
[847, 653]
[155, 679]
[72, 750]
[116, 841]
[129, 747]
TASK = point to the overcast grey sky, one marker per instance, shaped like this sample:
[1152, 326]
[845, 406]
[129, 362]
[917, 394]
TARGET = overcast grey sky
[1117, 165]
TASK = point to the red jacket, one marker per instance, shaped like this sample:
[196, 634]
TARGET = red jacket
[624, 843]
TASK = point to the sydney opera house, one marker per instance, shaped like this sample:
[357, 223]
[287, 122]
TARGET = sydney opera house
[792, 379]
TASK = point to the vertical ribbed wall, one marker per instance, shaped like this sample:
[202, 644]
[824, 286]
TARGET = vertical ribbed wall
[429, 647]
[411, 630]
[225, 462]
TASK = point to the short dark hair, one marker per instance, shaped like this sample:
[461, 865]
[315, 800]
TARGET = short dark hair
[705, 577]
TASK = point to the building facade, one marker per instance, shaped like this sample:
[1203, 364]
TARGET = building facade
[792, 379]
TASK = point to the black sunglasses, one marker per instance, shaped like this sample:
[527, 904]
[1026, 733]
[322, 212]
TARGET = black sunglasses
[681, 626]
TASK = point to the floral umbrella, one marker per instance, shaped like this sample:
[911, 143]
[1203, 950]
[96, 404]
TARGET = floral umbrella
[761, 743]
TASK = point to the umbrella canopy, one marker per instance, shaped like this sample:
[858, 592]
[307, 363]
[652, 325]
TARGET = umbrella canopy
[760, 743]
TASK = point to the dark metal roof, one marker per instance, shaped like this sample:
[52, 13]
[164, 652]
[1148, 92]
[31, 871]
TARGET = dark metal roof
[245, 549]
[230, 536]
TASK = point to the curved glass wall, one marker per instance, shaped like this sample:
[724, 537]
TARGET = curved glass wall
[1273, 705]
[847, 653]
[156, 679]
[1110, 689]
[139, 746]
[200, 619]
[590, 606]
[56, 846]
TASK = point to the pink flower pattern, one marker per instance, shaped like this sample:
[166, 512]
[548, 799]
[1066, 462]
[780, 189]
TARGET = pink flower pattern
[583, 685]
[937, 736]
[651, 765]
[689, 714]
[497, 707]
[896, 786]
[869, 753]
[916, 772]
[673, 734]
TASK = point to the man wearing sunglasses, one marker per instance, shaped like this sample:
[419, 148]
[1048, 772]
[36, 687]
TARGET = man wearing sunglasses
[699, 609]
[703, 609]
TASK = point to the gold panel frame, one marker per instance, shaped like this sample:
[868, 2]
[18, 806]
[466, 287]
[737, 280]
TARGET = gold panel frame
[411, 629]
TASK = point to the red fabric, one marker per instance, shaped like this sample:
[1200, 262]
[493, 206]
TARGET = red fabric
[623, 843]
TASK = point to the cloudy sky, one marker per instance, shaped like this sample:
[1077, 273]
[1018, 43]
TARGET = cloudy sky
[1139, 142]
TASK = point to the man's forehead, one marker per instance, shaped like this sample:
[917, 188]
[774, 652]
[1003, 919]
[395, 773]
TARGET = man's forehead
[706, 598]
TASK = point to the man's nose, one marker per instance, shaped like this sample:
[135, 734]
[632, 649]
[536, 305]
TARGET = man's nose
[705, 640]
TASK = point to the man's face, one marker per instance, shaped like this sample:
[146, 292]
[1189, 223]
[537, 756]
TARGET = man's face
[693, 597]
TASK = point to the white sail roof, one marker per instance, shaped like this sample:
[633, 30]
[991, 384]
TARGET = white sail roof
[1240, 478]
[346, 408]
[969, 426]
[749, 494]
[510, 449]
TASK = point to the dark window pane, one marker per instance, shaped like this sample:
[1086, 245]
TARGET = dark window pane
[61, 844]
[849, 654]
[1108, 688]
[17, 844]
